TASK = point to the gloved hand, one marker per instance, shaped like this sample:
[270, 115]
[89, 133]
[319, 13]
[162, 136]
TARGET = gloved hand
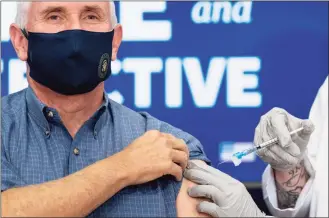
[230, 197]
[290, 150]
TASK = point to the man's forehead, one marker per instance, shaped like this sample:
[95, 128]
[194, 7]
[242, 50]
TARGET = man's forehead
[39, 6]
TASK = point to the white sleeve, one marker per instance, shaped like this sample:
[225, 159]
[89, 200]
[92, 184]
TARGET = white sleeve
[318, 148]
[318, 111]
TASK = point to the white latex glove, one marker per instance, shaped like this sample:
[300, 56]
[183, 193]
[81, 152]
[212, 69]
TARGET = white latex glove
[229, 197]
[290, 150]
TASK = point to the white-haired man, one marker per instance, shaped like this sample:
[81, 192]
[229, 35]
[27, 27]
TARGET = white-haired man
[68, 150]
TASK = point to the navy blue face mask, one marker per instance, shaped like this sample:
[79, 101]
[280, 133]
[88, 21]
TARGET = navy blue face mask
[70, 62]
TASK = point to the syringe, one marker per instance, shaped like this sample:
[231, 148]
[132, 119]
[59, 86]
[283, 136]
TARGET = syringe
[237, 157]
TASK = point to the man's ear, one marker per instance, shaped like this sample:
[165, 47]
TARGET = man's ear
[19, 41]
[117, 38]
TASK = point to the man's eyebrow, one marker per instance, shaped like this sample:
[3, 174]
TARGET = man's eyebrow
[50, 9]
[93, 8]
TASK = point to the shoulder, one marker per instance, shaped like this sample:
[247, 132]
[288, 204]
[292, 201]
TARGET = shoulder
[12, 105]
[12, 113]
[142, 119]
[126, 116]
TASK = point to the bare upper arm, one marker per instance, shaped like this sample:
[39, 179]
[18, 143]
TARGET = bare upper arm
[185, 205]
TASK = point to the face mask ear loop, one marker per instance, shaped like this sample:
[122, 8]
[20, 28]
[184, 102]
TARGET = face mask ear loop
[113, 28]
[24, 33]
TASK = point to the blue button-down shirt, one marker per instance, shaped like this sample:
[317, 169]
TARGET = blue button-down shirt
[37, 148]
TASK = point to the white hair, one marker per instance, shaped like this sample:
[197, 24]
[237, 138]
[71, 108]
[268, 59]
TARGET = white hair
[23, 9]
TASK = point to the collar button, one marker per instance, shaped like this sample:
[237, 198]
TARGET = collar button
[50, 114]
[47, 133]
[76, 151]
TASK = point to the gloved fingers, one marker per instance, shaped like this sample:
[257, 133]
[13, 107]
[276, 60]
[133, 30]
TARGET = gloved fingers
[291, 149]
[283, 156]
[257, 135]
[301, 138]
[266, 134]
[279, 125]
[204, 178]
[217, 173]
[269, 129]
[266, 130]
[211, 209]
[262, 134]
[273, 130]
[295, 123]
[208, 191]
[268, 156]
[196, 176]
[308, 129]
[209, 169]
[299, 141]
[276, 161]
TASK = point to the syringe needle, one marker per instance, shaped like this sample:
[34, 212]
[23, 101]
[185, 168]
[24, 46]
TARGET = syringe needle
[223, 162]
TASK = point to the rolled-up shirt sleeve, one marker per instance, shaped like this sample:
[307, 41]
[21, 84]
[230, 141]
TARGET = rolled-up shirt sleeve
[196, 150]
[303, 203]
[10, 177]
[194, 145]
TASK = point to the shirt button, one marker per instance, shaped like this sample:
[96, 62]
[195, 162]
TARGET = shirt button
[47, 133]
[76, 151]
[50, 114]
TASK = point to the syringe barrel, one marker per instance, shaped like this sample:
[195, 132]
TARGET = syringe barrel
[275, 140]
[267, 143]
[250, 150]
[240, 155]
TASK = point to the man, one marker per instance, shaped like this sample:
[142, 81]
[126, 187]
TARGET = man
[295, 184]
[68, 150]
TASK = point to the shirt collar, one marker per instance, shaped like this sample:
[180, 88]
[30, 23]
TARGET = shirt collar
[41, 113]
[100, 116]
[36, 109]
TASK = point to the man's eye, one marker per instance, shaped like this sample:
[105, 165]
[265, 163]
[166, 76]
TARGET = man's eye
[53, 17]
[92, 17]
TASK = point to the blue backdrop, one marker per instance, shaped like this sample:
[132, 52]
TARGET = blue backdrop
[212, 69]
